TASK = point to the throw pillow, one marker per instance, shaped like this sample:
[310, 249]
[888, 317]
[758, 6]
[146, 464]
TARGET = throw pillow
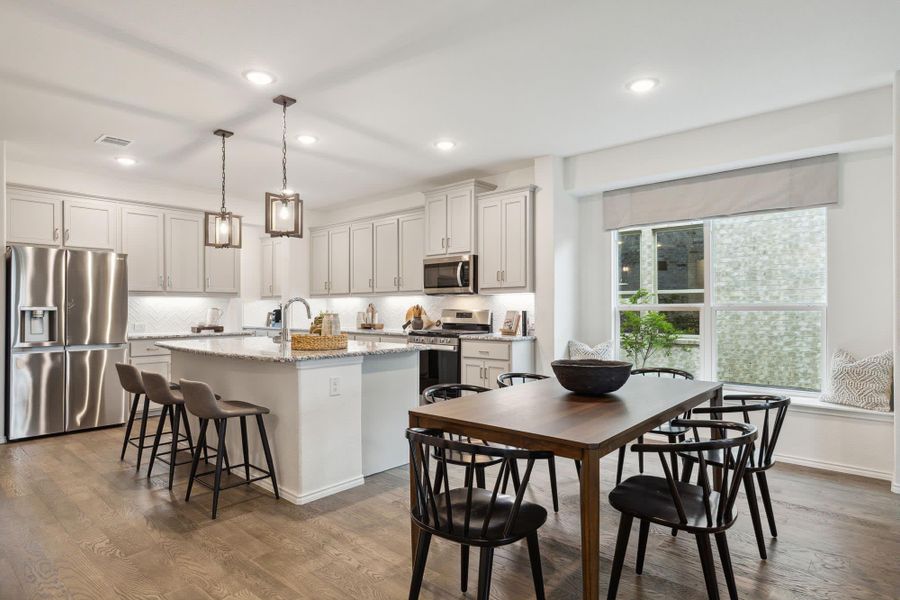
[580, 351]
[865, 383]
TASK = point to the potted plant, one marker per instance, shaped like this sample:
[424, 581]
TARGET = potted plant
[645, 334]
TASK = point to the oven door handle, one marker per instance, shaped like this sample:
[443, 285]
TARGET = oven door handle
[435, 347]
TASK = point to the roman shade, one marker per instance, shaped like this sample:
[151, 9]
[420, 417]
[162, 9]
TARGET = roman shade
[800, 183]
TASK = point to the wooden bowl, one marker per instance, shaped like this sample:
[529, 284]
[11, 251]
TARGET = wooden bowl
[591, 377]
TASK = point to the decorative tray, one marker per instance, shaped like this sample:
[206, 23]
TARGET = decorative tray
[305, 341]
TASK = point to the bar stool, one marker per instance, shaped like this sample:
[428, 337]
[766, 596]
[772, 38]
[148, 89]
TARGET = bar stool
[130, 379]
[160, 392]
[204, 405]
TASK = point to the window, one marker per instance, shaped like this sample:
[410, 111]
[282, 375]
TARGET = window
[740, 299]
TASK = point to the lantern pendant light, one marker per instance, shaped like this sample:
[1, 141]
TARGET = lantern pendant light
[284, 211]
[223, 228]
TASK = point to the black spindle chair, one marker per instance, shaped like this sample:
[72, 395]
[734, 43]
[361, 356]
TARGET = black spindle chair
[672, 433]
[774, 411]
[505, 380]
[469, 515]
[698, 509]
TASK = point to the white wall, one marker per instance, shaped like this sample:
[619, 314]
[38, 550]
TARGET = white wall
[848, 123]
[3, 279]
[896, 254]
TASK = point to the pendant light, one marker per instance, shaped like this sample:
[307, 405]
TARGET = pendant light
[284, 211]
[223, 229]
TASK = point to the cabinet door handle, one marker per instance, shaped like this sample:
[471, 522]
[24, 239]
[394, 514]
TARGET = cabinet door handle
[66, 235]
[502, 275]
[169, 279]
[448, 241]
[399, 281]
[160, 282]
[55, 233]
[498, 275]
[207, 281]
[442, 242]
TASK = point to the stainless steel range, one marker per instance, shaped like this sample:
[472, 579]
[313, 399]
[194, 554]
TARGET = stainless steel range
[440, 361]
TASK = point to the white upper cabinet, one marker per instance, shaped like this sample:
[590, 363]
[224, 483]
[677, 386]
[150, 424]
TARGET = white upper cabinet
[184, 252]
[223, 269]
[505, 240]
[361, 263]
[339, 261]
[318, 268]
[436, 224]
[450, 225]
[412, 251]
[33, 217]
[387, 248]
[271, 272]
[90, 224]
[143, 240]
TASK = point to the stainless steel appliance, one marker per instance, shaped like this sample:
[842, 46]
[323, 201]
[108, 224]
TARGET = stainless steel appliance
[67, 313]
[440, 361]
[451, 274]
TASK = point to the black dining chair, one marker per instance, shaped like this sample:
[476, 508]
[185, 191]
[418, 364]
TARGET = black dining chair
[672, 433]
[510, 379]
[774, 411]
[505, 380]
[696, 508]
[469, 515]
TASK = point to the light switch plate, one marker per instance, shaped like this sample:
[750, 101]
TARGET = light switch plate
[334, 386]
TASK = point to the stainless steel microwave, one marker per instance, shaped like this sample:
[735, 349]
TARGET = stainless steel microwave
[451, 274]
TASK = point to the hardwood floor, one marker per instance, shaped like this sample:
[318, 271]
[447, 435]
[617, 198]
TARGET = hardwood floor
[75, 522]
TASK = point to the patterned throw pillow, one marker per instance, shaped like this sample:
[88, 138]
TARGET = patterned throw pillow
[580, 350]
[865, 383]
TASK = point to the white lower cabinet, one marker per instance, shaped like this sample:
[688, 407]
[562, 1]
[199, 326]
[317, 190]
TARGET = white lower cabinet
[483, 361]
[147, 357]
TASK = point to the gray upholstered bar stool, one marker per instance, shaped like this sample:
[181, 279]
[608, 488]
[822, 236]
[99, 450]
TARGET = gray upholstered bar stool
[131, 381]
[203, 404]
[160, 392]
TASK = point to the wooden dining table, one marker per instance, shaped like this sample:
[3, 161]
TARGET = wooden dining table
[542, 415]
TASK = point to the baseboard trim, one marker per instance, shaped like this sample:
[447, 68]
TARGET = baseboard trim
[2, 439]
[837, 467]
[294, 498]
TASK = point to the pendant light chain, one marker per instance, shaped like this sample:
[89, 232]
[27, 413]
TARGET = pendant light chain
[284, 186]
[223, 176]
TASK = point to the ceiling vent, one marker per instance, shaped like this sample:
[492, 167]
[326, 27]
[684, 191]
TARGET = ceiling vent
[113, 140]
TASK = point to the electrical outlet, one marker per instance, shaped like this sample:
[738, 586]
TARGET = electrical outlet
[334, 386]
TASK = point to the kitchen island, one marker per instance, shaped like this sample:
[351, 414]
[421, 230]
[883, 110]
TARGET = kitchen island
[336, 415]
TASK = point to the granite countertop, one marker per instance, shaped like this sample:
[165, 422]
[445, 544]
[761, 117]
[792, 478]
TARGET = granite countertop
[343, 330]
[265, 350]
[176, 335]
[499, 337]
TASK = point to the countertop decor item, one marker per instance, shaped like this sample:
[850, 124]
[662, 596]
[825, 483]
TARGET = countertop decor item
[511, 323]
[223, 228]
[591, 377]
[284, 210]
[305, 341]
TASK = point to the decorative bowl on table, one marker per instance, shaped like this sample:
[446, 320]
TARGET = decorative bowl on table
[591, 377]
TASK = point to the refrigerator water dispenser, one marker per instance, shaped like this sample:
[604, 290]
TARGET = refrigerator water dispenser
[38, 324]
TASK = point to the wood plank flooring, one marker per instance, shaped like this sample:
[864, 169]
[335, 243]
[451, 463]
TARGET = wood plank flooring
[75, 522]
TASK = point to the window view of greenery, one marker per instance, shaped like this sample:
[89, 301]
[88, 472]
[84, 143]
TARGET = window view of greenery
[679, 265]
[629, 261]
[767, 308]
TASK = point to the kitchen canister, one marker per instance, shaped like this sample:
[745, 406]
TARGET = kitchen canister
[331, 324]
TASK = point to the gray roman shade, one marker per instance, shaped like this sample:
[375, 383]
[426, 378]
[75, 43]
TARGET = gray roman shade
[800, 183]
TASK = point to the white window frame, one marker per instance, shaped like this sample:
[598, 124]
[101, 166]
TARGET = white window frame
[709, 310]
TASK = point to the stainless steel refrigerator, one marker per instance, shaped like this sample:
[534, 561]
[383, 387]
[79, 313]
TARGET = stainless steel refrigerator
[67, 313]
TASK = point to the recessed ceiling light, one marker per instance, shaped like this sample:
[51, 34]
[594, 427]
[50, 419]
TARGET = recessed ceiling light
[642, 86]
[445, 145]
[259, 77]
[307, 139]
[126, 161]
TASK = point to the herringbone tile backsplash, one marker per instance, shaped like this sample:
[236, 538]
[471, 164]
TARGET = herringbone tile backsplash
[164, 314]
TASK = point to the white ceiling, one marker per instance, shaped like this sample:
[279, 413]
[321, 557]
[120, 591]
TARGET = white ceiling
[379, 81]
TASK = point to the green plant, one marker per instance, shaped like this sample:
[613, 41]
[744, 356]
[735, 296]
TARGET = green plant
[645, 334]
